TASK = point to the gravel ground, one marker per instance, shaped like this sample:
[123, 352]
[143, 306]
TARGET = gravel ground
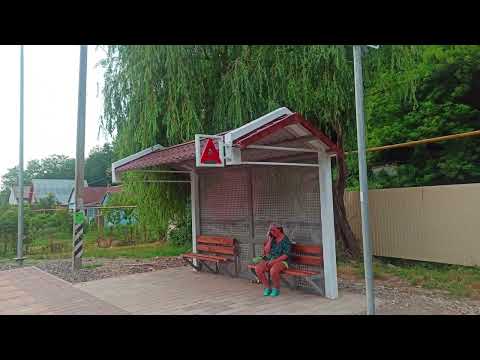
[94, 269]
[400, 298]
[7, 266]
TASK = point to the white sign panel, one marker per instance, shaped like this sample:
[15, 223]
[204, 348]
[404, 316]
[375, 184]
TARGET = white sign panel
[209, 151]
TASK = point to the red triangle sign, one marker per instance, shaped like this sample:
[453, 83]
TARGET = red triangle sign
[210, 153]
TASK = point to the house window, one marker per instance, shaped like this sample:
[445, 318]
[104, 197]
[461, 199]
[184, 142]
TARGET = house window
[91, 212]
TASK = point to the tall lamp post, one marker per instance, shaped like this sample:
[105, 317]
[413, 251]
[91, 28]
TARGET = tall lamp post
[362, 166]
[20, 189]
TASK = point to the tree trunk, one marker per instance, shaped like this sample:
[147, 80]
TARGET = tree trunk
[342, 226]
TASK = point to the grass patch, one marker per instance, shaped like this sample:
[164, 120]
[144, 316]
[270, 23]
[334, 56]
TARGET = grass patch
[142, 251]
[456, 280]
[40, 249]
[27, 262]
[139, 251]
[50, 256]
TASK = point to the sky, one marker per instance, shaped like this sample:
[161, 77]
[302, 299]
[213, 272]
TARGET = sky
[50, 101]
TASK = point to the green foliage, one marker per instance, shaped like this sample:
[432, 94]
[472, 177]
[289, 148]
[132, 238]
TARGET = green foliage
[166, 94]
[98, 166]
[181, 231]
[39, 226]
[8, 228]
[50, 224]
[122, 222]
[446, 102]
[47, 202]
[4, 196]
[52, 167]
[97, 169]
[158, 204]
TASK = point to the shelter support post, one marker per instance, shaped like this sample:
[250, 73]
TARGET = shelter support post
[328, 226]
[194, 199]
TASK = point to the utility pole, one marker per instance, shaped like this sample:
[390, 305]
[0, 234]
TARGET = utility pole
[362, 166]
[78, 223]
[20, 188]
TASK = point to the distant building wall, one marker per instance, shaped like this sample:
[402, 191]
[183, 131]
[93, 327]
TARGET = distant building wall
[435, 223]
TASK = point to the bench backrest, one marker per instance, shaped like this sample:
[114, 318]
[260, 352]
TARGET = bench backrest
[217, 245]
[307, 255]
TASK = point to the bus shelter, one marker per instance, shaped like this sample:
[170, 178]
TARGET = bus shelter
[274, 169]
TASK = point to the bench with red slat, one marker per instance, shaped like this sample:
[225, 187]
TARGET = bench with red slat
[304, 255]
[205, 257]
[215, 249]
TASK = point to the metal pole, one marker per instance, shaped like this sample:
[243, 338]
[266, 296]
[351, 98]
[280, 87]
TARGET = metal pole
[77, 249]
[194, 202]
[20, 188]
[362, 166]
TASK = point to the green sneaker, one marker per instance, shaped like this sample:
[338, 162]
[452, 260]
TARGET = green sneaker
[266, 292]
[275, 292]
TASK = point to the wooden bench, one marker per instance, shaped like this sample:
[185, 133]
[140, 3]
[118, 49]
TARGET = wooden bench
[303, 255]
[214, 249]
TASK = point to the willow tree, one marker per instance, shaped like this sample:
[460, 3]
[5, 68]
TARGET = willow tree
[167, 94]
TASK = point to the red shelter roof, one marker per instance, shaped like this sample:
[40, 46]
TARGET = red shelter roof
[287, 128]
[171, 155]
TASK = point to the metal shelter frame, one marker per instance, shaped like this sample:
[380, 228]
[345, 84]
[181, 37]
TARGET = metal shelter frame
[244, 138]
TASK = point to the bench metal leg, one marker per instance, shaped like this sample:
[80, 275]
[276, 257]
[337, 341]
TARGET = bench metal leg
[236, 260]
[196, 267]
[254, 277]
[200, 265]
[317, 283]
[209, 268]
[226, 267]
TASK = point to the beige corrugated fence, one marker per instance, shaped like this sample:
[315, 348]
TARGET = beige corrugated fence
[434, 223]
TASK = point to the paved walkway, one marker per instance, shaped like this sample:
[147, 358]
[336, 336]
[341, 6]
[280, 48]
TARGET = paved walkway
[172, 291]
[183, 291]
[31, 291]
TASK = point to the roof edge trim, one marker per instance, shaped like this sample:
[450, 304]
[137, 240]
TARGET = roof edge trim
[125, 160]
[243, 130]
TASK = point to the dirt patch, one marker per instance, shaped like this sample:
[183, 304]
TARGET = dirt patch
[476, 286]
[382, 277]
[348, 273]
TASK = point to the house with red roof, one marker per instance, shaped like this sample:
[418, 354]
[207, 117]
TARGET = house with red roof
[93, 198]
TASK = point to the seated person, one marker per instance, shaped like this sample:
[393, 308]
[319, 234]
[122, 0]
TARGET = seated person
[276, 253]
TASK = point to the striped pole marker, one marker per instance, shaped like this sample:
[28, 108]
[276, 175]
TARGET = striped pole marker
[77, 249]
[78, 241]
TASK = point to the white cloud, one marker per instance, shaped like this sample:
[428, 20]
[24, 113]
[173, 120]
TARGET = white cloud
[51, 94]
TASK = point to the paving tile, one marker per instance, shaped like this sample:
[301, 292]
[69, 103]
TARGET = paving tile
[171, 291]
[181, 291]
[32, 291]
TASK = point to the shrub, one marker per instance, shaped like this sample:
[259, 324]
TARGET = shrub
[180, 233]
